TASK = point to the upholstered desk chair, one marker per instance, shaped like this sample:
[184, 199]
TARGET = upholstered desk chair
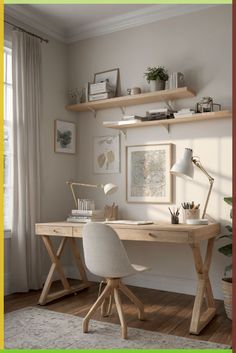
[105, 256]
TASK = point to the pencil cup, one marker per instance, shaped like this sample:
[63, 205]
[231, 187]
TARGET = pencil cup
[174, 219]
[191, 214]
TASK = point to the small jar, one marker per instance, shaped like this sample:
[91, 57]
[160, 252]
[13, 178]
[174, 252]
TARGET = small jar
[174, 219]
[191, 214]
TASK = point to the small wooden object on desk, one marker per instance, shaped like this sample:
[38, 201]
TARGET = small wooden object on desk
[111, 212]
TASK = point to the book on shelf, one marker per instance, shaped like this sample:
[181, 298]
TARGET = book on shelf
[158, 114]
[131, 117]
[122, 122]
[100, 96]
[183, 113]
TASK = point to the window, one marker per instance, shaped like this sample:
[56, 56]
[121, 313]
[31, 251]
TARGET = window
[8, 153]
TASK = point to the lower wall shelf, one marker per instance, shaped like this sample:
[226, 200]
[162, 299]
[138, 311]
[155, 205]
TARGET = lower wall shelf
[123, 125]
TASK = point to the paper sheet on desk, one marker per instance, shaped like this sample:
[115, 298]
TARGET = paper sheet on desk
[124, 221]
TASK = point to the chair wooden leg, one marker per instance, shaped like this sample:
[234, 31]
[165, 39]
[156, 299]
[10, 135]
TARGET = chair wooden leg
[133, 299]
[98, 303]
[106, 307]
[120, 313]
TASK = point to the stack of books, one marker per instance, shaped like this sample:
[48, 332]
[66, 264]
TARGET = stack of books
[183, 113]
[101, 90]
[158, 114]
[84, 216]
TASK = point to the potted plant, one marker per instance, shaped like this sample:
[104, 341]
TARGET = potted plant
[227, 251]
[156, 77]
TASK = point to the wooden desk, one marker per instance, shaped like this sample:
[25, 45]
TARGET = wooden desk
[159, 232]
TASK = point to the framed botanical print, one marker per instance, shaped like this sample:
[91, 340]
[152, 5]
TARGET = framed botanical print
[106, 154]
[148, 173]
[64, 137]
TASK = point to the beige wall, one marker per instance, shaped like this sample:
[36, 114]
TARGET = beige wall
[199, 45]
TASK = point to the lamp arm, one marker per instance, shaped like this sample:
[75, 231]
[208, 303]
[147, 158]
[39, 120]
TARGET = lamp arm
[197, 162]
[72, 184]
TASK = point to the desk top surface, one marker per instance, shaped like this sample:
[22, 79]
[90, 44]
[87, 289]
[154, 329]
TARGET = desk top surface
[163, 232]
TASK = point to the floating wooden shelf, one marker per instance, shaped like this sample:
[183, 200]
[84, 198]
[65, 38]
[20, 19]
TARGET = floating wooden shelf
[191, 118]
[143, 98]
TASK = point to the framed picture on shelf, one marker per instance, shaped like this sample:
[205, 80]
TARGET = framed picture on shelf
[111, 76]
[64, 137]
[106, 154]
[148, 177]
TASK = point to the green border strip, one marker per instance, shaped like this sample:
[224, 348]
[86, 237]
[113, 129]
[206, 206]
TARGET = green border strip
[118, 350]
[197, 2]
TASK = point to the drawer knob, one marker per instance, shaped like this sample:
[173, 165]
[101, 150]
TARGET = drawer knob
[152, 235]
[55, 231]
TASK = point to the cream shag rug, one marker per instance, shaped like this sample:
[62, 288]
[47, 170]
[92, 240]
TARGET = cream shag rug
[34, 328]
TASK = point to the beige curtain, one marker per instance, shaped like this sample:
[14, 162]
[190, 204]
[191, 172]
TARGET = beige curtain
[25, 246]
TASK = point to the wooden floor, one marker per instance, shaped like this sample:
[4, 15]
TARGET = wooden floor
[166, 312]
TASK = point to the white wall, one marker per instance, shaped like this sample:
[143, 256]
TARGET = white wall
[199, 45]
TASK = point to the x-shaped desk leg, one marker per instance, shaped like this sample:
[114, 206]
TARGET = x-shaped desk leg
[201, 319]
[56, 266]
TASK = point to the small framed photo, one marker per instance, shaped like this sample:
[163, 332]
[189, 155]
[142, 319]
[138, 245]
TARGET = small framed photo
[111, 76]
[64, 137]
[148, 173]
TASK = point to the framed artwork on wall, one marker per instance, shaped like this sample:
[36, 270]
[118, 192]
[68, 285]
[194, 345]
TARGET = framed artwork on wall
[111, 76]
[64, 137]
[148, 177]
[106, 154]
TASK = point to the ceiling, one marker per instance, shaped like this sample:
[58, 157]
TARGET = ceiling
[73, 22]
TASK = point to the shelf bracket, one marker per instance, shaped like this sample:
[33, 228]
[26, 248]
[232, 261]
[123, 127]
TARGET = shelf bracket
[93, 111]
[166, 126]
[168, 103]
[122, 110]
[124, 132]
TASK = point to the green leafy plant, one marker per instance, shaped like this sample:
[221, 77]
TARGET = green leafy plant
[154, 73]
[227, 249]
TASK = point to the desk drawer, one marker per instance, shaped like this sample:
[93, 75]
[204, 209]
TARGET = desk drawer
[54, 230]
[152, 235]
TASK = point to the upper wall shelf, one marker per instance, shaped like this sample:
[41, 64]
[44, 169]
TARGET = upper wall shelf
[191, 118]
[143, 98]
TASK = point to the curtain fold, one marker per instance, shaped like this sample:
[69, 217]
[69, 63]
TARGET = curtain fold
[26, 269]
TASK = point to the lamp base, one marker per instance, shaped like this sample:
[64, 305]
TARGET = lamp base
[197, 221]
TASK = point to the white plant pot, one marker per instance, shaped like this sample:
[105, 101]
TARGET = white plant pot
[227, 293]
[156, 85]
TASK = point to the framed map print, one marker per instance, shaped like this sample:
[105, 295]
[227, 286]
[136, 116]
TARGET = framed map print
[148, 173]
[106, 154]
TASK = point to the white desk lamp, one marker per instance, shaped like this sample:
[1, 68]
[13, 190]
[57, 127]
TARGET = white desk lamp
[184, 168]
[107, 188]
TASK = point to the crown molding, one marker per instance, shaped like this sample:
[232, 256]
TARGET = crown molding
[29, 17]
[132, 19]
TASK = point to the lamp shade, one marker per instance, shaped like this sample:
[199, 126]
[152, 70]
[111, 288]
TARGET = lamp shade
[109, 188]
[184, 167]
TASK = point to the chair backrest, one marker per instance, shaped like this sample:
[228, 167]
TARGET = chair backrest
[104, 253]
